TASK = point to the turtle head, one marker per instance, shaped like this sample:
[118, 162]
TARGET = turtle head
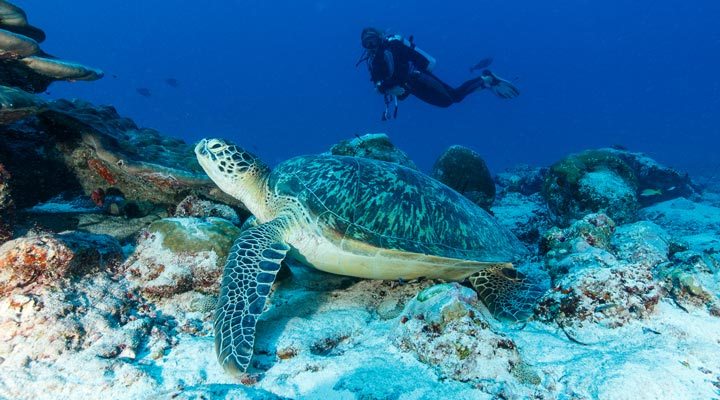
[237, 172]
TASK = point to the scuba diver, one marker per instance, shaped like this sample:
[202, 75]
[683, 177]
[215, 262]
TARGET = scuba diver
[398, 69]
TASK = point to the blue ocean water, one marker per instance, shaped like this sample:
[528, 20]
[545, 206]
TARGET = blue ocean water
[279, 77]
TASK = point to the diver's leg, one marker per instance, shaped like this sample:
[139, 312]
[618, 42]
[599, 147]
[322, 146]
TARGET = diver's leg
[430, 89]
[468, 87]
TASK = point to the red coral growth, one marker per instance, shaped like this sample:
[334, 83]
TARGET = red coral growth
[162, 180]
[30, 259]
[101, 169]
[4, 174]
[98, 197]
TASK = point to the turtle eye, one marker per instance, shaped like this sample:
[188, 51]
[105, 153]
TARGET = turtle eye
[215, 144]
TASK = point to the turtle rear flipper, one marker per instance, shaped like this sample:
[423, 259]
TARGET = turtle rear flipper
[506, 292]
[250, 270]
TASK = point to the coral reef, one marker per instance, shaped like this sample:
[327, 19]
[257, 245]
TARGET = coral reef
[592, 181]
[23, 64]
[16, 104]
[465, 171]
[612, 181]
[83, 317]
[7, 207]
[74, 146]
[193, 206]
[49, 259]
[522, 179]
[441, 327]
[176, 255]
[373, 145]
[525, 216]
[603, 274]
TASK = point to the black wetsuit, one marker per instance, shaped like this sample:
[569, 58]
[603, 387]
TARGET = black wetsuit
[395, 64]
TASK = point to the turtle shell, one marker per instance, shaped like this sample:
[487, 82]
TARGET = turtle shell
[392, 207]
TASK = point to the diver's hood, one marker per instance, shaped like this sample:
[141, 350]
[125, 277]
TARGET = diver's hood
[371, 38]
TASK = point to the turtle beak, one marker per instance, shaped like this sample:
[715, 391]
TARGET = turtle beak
[201, 148]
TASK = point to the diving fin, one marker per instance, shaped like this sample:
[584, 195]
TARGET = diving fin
[499, 86]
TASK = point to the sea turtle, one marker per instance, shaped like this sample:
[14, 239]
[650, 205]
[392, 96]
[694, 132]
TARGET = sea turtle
[351, 216]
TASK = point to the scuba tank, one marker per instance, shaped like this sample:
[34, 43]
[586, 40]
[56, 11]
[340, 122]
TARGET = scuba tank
[422, 59]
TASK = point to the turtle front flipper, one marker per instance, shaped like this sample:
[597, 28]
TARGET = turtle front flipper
[250, 271]
[506, 292]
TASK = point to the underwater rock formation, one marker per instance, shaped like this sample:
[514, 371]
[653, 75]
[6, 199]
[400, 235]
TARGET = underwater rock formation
[373, 145]
[16, 104]
[584, 244]
[14, 19]
[7, 207]
[465, 171]
[193, 206]
[47, 259]
[74, 146]
[611, 181]
[23, 64]
[442, 328]
[522, 179]
[603, 274]
[527, 217]
[176, 255]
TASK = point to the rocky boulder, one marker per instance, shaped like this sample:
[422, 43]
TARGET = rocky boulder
[176, 255]
[465, 171]
[75, 146]
[615, 182]
[44, 259]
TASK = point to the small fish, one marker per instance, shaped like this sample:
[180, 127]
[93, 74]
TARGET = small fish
[618, 146]
[114, 76]
[482, 64]
[651, 192]
[648, 330]
[145, 92]
[604, 307]
[172, 82]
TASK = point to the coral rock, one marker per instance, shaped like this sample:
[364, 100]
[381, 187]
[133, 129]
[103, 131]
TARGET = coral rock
[525, 216]
[193, 206]
[612, 181]
[522, 179]
[442, 329]
[7, 206]
[465, 171]
[585, 244]
[607, 296]
[176, 255]
[39, 259]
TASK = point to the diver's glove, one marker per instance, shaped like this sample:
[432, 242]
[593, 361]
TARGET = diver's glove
[499, 86]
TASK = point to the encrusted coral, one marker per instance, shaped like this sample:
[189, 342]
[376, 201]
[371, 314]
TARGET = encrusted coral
[193, 206]
[24, 64]
[612, 181]
[7, 206]
[591, 181]
[522, 179]
[609, 282]
[176, 255]
[48, 259]
[442, 328]
[465, 171]
[584, 244]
